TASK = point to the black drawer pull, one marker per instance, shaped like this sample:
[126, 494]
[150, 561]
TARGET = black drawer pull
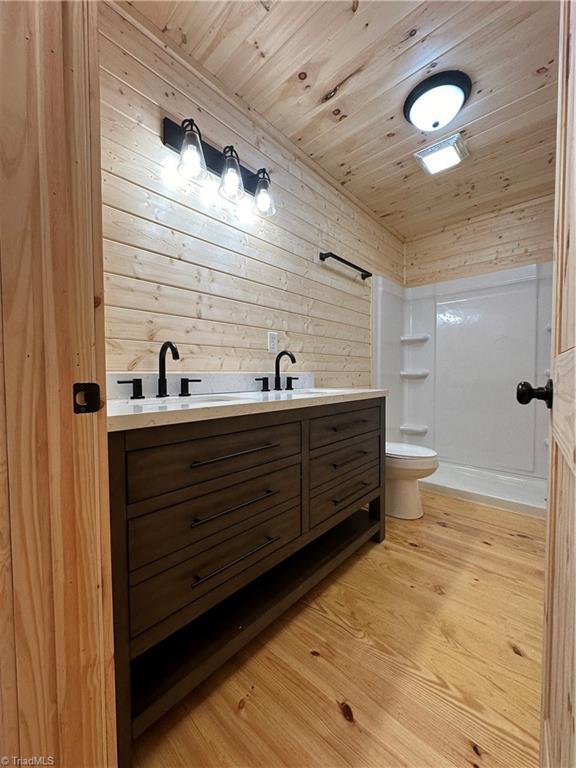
[357, 488]
[357, 455]
[264, 447]
[199, 579]
[344, 427]
[200, 521]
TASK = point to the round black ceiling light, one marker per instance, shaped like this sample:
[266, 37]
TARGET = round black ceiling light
[436, 101]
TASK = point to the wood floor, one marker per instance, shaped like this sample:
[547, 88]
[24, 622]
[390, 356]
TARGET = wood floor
[422, 652]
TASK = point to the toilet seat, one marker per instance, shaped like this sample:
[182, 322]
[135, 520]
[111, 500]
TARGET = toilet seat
[409, 451]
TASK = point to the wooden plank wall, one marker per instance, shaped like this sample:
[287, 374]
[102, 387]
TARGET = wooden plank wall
[184, 267]
[519, 235]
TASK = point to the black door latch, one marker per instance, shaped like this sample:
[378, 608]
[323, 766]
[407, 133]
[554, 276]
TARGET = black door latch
[86, 397]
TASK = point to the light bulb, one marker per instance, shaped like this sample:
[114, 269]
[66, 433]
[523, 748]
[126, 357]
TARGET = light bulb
[231, 186]
[231, 183]
[192, 165]
[263, 201]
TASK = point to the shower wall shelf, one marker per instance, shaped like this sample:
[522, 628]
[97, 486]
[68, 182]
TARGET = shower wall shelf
[415, 339]
[414, 374]
[414, 429]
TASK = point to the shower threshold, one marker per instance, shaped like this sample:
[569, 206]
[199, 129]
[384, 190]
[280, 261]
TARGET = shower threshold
[527, 495]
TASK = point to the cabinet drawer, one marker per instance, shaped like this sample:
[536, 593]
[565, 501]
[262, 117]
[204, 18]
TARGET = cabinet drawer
[153, 471]
[329, 501]
[159, 533]
[155, 599]
[329, 429]
[350, 455]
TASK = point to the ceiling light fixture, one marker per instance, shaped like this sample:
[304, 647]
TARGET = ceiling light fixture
[436, 101]
[443, 155]
[263, 201]
[192, 165]
[231, 186]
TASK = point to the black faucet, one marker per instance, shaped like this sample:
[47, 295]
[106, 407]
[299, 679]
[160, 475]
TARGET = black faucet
[162, 383]
[277, 379]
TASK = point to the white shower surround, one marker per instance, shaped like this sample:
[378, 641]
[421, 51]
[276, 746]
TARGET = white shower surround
[486, 333]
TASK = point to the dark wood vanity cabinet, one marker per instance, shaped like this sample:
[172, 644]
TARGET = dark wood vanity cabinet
[219, 526]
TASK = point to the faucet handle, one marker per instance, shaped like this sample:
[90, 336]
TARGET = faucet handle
[136, 388]
[289, 380]
[265, 383]
[184, 389]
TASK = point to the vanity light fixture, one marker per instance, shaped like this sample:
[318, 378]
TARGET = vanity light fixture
[192, 165]
[197, 156]
[263, 200]
[443, 155]
[231, 186]
[436, 101]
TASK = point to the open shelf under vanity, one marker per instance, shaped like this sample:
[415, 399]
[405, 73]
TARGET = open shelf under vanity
[170, 670]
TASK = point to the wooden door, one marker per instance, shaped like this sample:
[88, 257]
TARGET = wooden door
[56, 671]
[559, 694]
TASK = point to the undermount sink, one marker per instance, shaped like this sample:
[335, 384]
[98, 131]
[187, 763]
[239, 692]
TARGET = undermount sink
[156, 404]
[213, 398]
[319, 391]
[289, 393]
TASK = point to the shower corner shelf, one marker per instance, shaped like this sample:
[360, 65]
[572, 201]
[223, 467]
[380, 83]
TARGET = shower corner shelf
[414, 374]
[415, 339]
[414, 429]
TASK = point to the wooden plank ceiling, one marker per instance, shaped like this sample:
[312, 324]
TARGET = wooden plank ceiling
[333, 76]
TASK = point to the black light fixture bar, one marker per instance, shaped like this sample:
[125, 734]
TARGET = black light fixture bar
[172, 137]
[364, 274]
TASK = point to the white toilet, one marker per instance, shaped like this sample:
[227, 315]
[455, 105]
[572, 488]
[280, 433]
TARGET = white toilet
[405, 465]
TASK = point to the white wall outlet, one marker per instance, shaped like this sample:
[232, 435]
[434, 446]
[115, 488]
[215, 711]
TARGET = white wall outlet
[272, 341]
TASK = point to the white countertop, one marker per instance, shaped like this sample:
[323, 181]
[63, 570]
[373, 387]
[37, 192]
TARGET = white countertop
[156, 412]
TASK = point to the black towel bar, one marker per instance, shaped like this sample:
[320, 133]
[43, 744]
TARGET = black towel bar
[364, 274]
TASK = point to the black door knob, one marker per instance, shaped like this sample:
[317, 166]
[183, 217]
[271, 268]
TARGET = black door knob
[525, 392]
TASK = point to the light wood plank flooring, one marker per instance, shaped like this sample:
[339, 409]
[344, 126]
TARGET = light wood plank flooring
[422, 652]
